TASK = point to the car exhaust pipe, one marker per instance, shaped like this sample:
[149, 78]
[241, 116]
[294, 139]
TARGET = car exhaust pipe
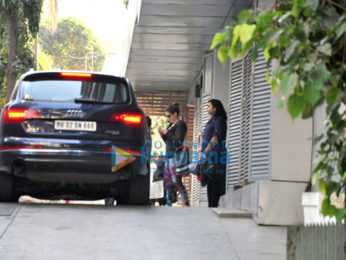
[18, 168]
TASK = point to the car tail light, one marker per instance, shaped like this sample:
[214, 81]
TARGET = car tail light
[18, 115]
[132, 119]
[76, 74]
[109, 150]
[19, 147]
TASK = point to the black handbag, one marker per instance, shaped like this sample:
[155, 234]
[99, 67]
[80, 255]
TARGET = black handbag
[160, 169]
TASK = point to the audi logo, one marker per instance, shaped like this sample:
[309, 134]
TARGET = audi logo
[74, 114]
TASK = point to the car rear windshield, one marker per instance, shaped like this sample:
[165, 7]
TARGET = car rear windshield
[71, 90]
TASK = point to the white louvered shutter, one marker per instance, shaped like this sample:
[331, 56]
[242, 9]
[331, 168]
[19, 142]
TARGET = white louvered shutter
[262, 104]
[195, 186]
[234, 122]
[205, 118]
[246, 119]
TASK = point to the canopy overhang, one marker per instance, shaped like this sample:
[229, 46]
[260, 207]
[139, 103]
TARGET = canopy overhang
[171, 38]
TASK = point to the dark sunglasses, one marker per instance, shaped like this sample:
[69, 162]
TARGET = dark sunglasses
[168, 116]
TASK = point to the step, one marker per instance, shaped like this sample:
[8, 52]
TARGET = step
[232, 213]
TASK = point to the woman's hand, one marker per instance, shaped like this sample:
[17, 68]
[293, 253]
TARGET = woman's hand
[208, 149]
[162, 131]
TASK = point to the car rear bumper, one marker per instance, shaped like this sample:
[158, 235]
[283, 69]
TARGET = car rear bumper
[80, 166]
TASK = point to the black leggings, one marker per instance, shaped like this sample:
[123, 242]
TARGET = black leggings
[213, 190]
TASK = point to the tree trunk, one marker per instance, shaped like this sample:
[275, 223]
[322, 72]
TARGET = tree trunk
[36, 52]
[12, 53]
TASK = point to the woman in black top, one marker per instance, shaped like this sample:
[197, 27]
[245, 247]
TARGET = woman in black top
[213, 142]
[174, 137]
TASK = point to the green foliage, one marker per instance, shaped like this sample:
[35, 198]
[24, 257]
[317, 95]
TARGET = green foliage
[307, 39]
[3, 60]
[27, 16]
[70, 44]
[158, 122]
[45, 61]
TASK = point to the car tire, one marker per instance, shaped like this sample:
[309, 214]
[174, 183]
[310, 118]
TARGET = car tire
[139, 190]
[6, 188]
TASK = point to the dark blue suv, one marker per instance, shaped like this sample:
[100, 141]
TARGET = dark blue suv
[74, 133]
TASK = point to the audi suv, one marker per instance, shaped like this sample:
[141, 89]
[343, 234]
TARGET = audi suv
[76, 133]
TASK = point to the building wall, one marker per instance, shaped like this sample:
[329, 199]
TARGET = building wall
[278, 201]
[291, 146]
[220, 82]
[291, 170]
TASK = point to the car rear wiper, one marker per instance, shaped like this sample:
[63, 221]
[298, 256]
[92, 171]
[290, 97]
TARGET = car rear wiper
[89, 101]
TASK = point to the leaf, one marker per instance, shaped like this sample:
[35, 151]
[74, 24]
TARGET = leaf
[332, 94]
[307, 112]
[321, 165]
[326, 207]
[222, 55]
[244, 16]
[216, 40]
[264, 19]
[331, 187]
[286, 83]
[322, 186]
[340, 31]
[312, 4]
[320, 73]
[246, 32]
[275, 86]
[308, 66]
[284, 17]
[245, 47]
[269, 79]
[236, 35]
[340, 214]
[295, 105]
[281, 103]
[335, 118]
[267, 49]
[344, 177]
[312, 93]
[296, 9]
[315, 178]
[290, 50]
[326, 49]
[330, 16]
[307, 13]
[273, 36]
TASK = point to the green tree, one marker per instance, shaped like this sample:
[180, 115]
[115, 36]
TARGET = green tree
[52, 23]
[71, 45]
[307, 39]
[20, 25]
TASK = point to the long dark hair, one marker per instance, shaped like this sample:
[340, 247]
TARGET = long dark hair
[173, 109]
[220, 110]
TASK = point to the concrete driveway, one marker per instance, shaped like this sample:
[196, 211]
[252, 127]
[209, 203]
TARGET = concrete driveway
[119, 232]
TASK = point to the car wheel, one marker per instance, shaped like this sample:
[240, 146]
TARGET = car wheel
[6, 188]
[139, 190]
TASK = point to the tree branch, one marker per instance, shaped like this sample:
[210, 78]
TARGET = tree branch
[333, 3]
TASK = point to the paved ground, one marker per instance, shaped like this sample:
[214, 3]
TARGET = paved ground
[99, 232]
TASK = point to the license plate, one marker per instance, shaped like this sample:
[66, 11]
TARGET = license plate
[75, 125]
